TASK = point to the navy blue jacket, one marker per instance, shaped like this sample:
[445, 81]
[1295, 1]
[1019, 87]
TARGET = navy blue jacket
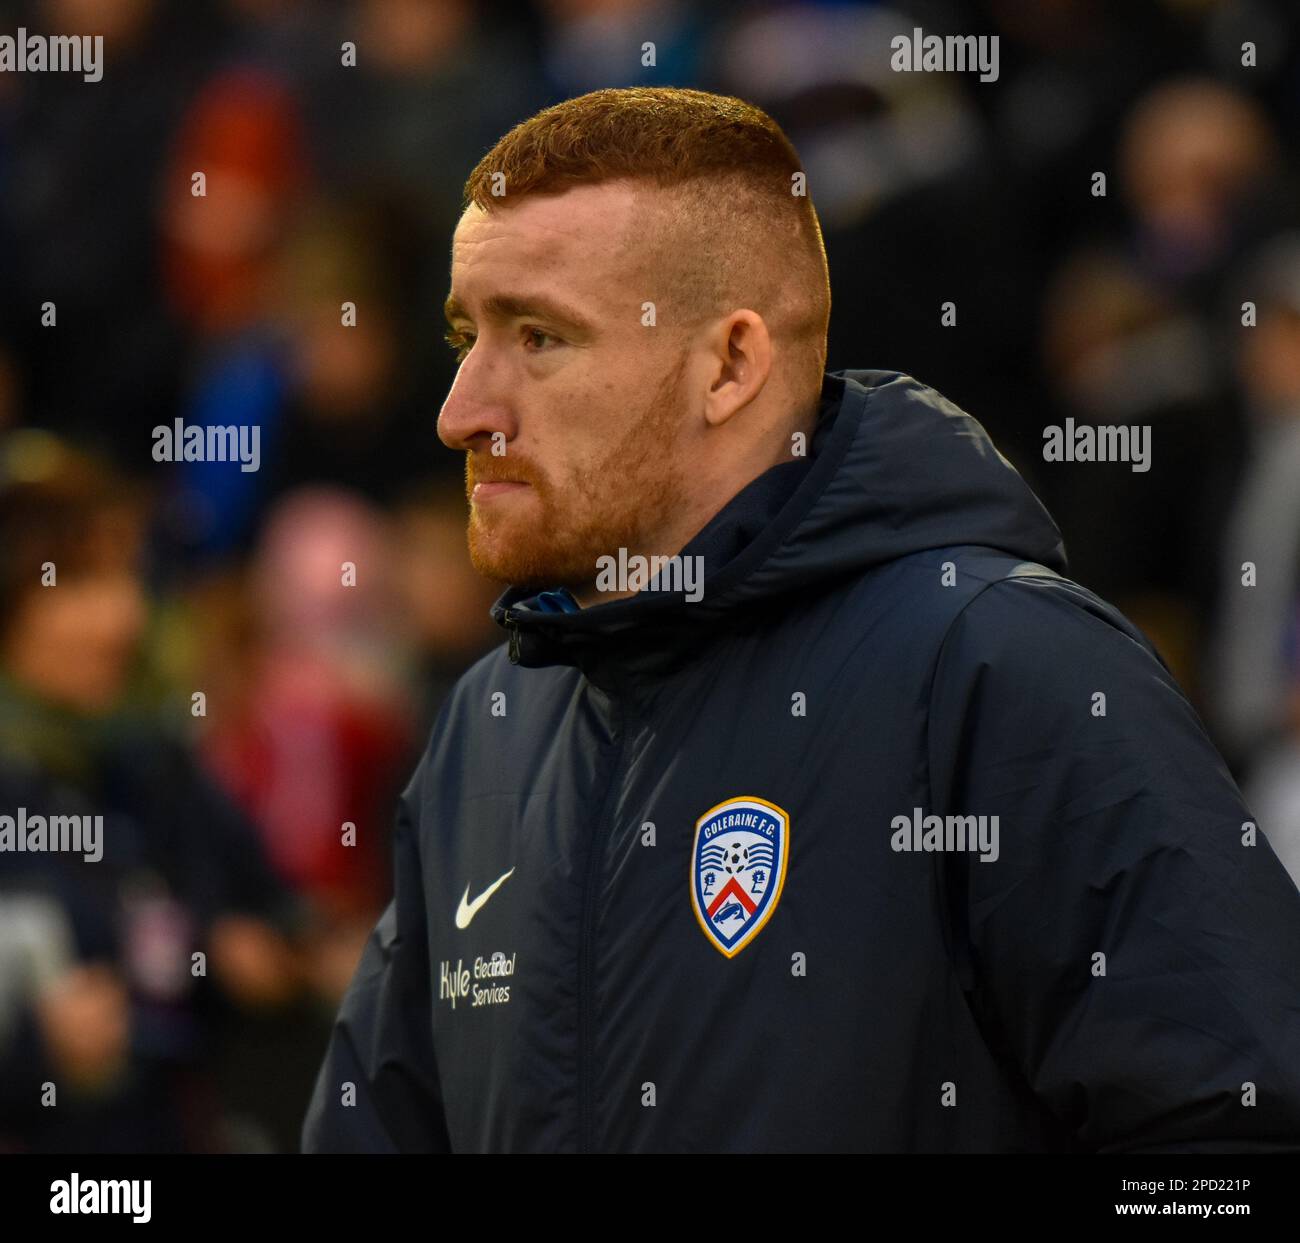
[896, 840]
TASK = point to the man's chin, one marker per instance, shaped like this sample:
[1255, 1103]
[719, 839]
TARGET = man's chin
[517, 557]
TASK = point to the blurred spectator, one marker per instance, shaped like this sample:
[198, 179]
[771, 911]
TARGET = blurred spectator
[236, 173]
[349, 417]
[99, 993]
[1197, 161]
[313, 730]
[1120, 352]
[445, 606]
[908, 190]
[78, 198]
[435, 83]
[324, 393]
[1257, 673]
[589, 44]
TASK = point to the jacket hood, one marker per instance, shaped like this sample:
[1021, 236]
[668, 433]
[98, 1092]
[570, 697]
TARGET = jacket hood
[896, 469]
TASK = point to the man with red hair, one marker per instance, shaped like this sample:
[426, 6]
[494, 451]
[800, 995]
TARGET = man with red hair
[888, 838]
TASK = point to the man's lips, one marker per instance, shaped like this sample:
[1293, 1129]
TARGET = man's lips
[499, 487]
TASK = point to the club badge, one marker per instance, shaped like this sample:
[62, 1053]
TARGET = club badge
[737, 869]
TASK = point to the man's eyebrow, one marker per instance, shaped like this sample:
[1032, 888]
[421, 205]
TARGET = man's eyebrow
[512, 306]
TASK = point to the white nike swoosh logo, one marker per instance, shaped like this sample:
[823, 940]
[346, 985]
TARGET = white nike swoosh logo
[467, 910]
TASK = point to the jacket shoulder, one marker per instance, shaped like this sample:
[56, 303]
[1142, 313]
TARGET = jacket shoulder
[937, 586]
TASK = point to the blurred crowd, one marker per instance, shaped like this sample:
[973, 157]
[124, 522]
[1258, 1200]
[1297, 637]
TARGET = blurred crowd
[206, 676]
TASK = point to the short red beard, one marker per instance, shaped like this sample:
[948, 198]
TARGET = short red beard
[622, 501]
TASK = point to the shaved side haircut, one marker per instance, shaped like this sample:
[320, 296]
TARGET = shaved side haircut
[727, 222]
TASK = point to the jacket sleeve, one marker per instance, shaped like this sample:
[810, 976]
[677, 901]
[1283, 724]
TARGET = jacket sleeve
[382, 1039]
[1134, 948]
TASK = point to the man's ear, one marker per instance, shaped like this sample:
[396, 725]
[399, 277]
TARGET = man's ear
[740, 355]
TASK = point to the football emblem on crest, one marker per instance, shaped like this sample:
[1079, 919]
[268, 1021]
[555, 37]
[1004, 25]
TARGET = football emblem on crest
[737, 869]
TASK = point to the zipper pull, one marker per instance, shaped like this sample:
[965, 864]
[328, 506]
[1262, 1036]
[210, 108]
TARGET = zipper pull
[513, 626]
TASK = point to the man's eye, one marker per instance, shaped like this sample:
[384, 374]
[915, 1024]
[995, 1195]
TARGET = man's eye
[537, 341]
[459, 341]
[530, 337]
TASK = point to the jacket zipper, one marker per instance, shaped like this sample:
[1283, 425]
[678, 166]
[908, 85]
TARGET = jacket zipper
[587, 919]
[586, 949]
[513, 626]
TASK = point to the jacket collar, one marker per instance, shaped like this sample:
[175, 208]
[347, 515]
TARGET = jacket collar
[648, 633]
[895, 469]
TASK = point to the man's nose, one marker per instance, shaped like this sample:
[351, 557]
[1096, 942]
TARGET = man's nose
[474, 410]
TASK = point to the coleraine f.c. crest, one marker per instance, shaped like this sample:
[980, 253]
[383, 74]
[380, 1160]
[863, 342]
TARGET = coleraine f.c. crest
[737, 869]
